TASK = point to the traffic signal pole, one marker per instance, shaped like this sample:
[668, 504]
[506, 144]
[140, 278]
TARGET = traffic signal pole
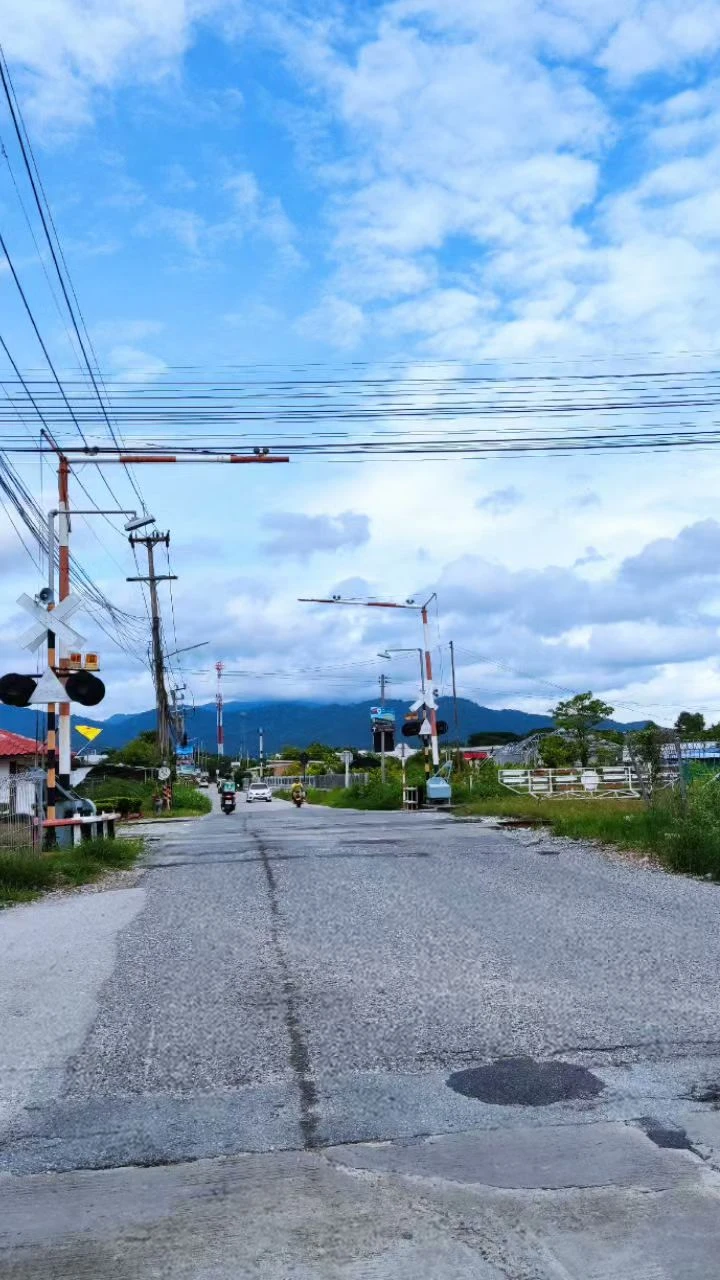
[423, 611]
[383, 770]
[429, 677]
[64, 744]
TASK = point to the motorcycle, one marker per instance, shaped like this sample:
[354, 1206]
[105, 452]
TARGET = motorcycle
[227, 803]
[298, 800]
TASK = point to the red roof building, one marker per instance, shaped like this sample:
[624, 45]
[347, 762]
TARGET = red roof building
[14, 746]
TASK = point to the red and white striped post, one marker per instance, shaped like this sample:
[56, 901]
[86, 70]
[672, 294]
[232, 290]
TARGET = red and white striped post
[429, 677]
[219, 666]
[64, 736]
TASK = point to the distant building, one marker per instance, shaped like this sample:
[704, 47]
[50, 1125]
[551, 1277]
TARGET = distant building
[17, 755]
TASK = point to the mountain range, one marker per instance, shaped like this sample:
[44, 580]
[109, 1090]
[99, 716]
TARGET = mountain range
[295, 723]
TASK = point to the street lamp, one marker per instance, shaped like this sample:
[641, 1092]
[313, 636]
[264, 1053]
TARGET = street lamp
[135, 522]
[389, 653]
[187, 648]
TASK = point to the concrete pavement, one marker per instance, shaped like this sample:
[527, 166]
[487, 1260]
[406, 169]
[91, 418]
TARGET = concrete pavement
[285, 991]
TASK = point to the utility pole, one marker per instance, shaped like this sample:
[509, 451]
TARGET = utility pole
[261, 746]
[454, 687]
[219, 667]
[383, 770]
[150, 541]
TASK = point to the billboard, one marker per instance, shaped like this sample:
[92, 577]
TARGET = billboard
[382, 718]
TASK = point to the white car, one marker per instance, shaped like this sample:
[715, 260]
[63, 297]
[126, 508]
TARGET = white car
[258, 791]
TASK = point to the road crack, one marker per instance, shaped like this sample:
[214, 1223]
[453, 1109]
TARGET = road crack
[299, 1053]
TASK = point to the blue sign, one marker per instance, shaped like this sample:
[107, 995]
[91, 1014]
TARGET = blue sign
[380, 713]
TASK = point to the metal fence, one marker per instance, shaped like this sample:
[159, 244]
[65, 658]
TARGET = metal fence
[21, 797]
[322, 781]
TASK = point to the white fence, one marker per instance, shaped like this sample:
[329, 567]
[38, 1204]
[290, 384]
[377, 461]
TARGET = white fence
[617, 780]
[322, 781]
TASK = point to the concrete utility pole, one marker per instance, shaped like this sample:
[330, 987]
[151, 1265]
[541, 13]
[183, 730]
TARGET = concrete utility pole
[150, 541]
[383, 769]
[220, 667]
[454, 686]
[261, 747]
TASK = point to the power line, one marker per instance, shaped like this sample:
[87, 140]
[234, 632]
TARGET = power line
[27, 153]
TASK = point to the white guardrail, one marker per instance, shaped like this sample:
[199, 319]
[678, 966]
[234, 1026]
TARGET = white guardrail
[323, 781]
[618, 780]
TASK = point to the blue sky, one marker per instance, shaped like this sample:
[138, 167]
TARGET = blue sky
[448, 180]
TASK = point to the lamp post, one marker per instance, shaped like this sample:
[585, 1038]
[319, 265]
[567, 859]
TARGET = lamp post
[389, 652]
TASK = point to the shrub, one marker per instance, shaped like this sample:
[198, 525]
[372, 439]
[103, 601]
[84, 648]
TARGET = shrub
[692, 842]
[189, 799]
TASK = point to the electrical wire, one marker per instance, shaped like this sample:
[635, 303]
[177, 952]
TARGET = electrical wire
[43, 208]
[351, 420]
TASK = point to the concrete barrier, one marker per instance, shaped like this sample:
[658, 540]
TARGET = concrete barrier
[75, 830]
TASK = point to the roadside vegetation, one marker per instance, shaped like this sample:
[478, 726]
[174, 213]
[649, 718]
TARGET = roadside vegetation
[119, 795]
[679, 827]
[26, 874]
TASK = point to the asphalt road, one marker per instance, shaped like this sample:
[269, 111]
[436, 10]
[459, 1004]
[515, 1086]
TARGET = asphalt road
[282, 988]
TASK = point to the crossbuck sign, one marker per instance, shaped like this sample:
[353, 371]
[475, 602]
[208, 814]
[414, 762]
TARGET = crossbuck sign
[55, 620]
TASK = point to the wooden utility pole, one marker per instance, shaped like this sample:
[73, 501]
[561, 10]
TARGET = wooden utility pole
[150, 541]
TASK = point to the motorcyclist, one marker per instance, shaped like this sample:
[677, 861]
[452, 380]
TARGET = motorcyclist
[298, 793]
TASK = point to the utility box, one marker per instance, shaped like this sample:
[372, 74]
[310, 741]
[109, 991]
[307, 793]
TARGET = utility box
[438, 790]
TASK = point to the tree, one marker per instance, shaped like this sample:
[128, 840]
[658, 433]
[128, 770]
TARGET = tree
[556, 751]
[646, 751]
[578, 716]
[690, 724]
[142, 751]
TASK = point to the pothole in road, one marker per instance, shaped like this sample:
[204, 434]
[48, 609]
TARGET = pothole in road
[523, 1082]
[669, 1139]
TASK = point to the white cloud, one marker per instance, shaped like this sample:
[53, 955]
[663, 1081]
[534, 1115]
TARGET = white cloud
[661, 35]
[500, 501]
[68, 51]
[132, 364]
[334, 320]
[299, 535]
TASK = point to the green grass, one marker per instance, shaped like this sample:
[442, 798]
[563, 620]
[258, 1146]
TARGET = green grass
[376, 795]
[137, 797]
[25, 875]
[684, 837]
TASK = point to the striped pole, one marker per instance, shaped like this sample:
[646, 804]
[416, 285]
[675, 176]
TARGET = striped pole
[429, 677]
[51, 760]
[64, 750]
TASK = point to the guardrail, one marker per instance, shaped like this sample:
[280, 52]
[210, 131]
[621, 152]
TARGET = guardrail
[82, 828]
[618, 780]
[323, 781]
